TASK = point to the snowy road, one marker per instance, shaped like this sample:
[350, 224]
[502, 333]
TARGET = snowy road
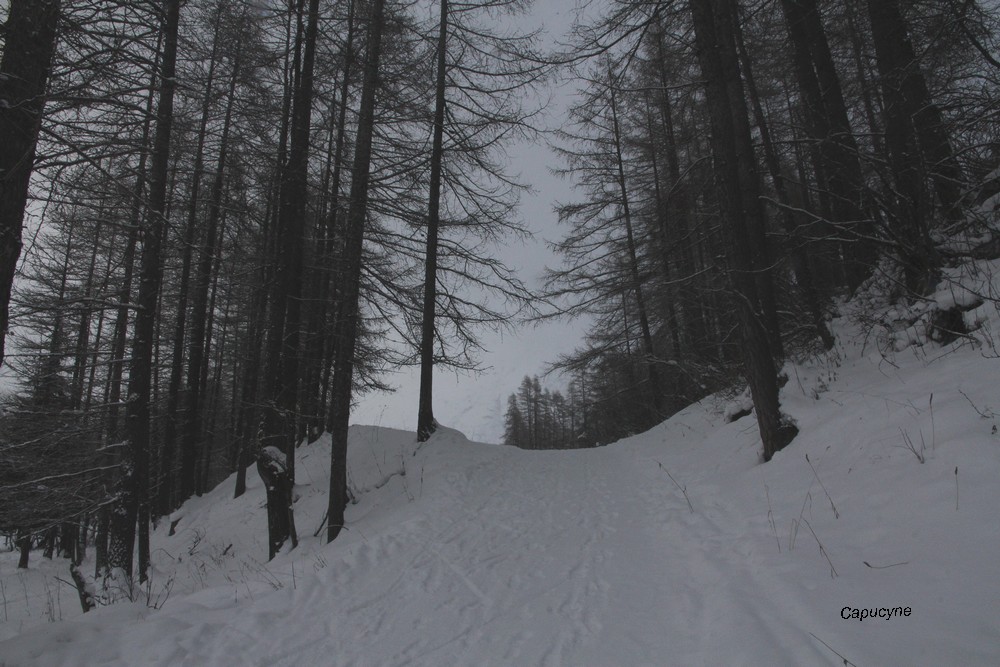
[487, 555]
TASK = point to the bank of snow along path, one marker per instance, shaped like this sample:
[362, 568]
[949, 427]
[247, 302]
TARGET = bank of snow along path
[674, 547]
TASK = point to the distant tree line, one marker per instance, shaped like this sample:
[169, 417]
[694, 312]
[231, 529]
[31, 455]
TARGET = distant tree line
[599, 406]
[539, 419]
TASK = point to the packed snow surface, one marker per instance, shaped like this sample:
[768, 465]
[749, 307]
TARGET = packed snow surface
[673, 547]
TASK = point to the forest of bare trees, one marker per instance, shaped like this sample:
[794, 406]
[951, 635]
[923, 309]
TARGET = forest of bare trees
[222, 221]
[742, 168]
[240, 215]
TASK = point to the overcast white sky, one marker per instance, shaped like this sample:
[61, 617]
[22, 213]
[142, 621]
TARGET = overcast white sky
[474, 404]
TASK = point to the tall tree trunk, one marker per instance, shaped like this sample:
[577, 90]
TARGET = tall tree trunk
[253, 391]
[751, 204]
[102, 315]
[800, 260]
[83, 326]
[867, 90]
[917, 143]
[280, 382]
[199, 304]
[120, 334]
[715, 45]
[678, 203]
[826, 114]
[426, 424]
[52, 366]
[135, 464]
[633, 259]
[167, 481]
[908, 99]
[207, 398]
[30, 41]
[321, 332]
[24, 548]
[101, 542]
[673, 292]
[347, 322]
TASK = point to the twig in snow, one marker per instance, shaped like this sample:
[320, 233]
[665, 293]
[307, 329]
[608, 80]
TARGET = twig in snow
[910, 447]
[770, 518]
[847, 662]
[956, 488]
[985, 415]
[322, 523]
[885, 567]
[822, 550]
[683, 489]
[930, 404]
[836, 514]
[793, 531]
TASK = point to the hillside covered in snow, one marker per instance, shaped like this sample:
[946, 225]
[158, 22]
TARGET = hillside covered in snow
[871, 540]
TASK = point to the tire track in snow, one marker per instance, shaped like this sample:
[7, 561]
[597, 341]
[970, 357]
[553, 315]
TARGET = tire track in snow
[527, 502]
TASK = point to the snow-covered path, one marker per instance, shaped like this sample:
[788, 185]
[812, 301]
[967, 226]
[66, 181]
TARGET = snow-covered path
[520, 558]
[515, 558]
[461, 553]
[524, 558]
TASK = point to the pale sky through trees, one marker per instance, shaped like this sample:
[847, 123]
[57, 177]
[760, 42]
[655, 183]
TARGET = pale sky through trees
[474, 404]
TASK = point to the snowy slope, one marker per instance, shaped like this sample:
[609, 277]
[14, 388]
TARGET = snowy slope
[486, 555]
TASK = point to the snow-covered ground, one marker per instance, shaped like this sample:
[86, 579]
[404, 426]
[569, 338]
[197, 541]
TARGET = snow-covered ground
[673, 547]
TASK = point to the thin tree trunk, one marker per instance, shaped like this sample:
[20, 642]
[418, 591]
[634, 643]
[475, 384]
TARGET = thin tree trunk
[199, 304]
[633, 259]
[347, 322]
[663, 234]
[101, 542]
[99, 334]
[83, 329]
[321, 334]
[867, 90]
[203, 391]
[103, 563]
[214, 403]
[164, 504]
[280, 387]
[134, 470]
[426, 425]
[81, 543]
[253, 389]
[694, 316]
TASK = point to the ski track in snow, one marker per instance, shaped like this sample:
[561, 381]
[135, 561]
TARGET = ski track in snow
[467, 554]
